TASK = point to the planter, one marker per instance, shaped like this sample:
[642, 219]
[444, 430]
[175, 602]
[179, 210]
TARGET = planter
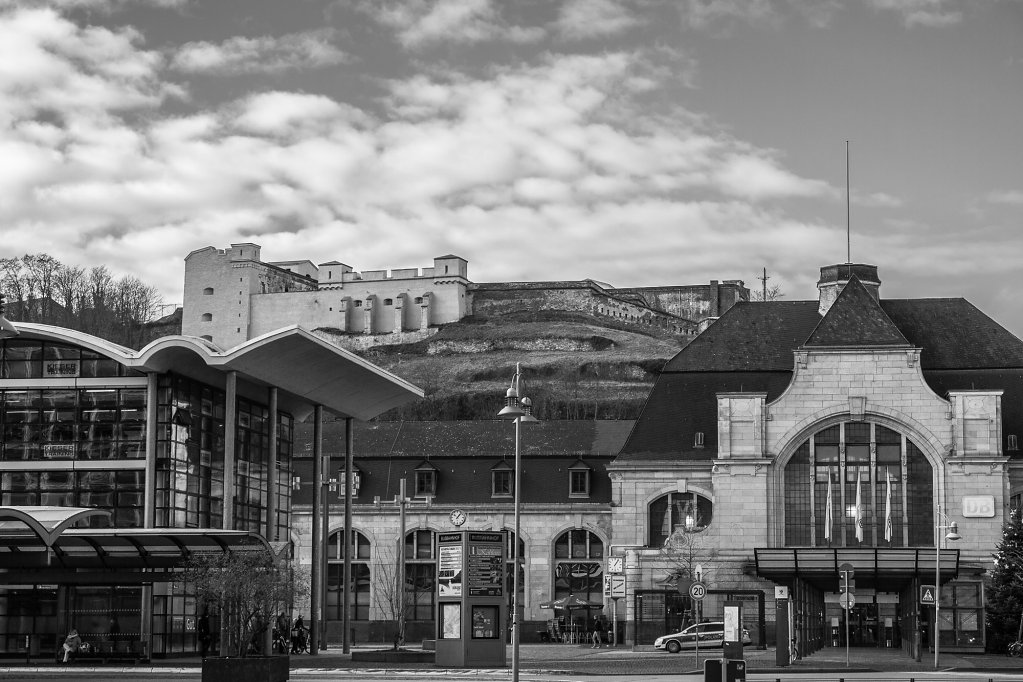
[249, 669]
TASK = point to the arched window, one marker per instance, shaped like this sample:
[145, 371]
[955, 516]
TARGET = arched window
[420, 575]
[359, 599]
[893, 478]
[207, 317]
[688, 512]
[579, 567]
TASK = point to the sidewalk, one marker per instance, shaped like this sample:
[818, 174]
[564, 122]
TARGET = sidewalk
[581, 659]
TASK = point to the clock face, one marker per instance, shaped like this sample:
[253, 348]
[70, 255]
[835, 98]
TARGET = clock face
[614, 564]
[458, 517]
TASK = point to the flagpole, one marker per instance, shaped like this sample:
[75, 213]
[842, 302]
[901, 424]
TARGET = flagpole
[859, 506]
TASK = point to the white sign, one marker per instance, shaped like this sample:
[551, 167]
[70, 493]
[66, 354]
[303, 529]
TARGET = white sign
[979, 506]
[781, 592]
[698, 591]
[614, 586]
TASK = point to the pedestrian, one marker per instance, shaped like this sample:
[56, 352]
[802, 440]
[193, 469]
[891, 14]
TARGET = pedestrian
[598, 634]
[202, 630]
[72, 643]
[299, 643]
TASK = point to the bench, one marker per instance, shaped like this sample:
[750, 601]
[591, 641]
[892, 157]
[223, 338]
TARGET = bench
[105, 652]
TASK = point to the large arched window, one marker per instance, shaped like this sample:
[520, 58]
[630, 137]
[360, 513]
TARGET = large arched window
[858, 460]
[359, 599]
[687, 511]
[578, 565]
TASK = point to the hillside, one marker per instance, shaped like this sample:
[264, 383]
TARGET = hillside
[574, 366]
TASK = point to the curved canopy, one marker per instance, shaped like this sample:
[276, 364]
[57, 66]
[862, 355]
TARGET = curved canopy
[306, 369]
[46, 522]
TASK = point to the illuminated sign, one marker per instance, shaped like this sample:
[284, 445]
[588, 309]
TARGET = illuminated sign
[978, 506]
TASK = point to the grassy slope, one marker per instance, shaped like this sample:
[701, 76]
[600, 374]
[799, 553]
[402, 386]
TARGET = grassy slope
[573, 366]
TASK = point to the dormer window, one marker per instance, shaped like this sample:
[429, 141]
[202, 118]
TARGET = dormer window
[356, 482]
[388, 301]
[698, 440]
[426, 480]
[501, 480]
[579, 479]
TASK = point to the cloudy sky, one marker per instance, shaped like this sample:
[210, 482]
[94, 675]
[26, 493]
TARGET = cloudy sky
[636, 142]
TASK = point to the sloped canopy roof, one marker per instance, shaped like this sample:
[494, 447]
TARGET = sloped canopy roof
[883, 568]
[307, 370]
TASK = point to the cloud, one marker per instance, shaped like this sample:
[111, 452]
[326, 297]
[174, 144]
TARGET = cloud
[1012, 197]
[701, 14]
[107, 6]
[933, 13]
[263, 54]
[580, 19]
[421, 23]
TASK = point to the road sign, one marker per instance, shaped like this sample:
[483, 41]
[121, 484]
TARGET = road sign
[847, 600]
[614, 586]
[846, 585]
[927, 593]
[846, 570]
[698, 591]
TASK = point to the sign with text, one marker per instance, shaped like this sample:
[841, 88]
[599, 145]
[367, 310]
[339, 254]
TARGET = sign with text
[61, 368]
[485, 565]
[927, 593]
[614, 586]
[979, 506]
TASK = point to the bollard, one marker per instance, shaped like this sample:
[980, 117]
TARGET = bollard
[28, 649]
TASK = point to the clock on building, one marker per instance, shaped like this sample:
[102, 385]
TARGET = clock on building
[614, 564]
[458, 517]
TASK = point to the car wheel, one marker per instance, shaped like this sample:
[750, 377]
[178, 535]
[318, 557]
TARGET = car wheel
[673, 646]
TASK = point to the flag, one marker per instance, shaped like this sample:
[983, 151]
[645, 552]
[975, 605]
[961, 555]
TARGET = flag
[828, 519]
[888, 506]
[858, 514]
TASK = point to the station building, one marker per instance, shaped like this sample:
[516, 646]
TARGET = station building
[900, 415]
[116, 464]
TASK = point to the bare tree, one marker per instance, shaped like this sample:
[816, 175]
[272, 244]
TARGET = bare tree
[388, 596]
[249, 587]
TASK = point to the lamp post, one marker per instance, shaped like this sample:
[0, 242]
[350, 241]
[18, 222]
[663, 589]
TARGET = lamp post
[953, 534]
[518, 409]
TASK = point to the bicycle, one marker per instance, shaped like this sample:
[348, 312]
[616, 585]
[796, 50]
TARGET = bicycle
[1015, 649]
[299, 641]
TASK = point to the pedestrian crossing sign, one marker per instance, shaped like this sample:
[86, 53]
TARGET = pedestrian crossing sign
[927, 593]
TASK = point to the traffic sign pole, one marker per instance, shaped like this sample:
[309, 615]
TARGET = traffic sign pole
[846, 571]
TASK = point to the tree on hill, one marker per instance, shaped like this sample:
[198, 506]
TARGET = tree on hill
[1005, 589]
[39, 288]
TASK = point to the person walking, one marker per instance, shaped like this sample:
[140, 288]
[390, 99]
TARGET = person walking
[598, 634]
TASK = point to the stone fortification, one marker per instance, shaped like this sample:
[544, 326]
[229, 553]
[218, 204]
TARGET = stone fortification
[231, 295]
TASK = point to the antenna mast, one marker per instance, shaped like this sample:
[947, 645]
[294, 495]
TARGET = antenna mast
[848, 216]
[764, 280]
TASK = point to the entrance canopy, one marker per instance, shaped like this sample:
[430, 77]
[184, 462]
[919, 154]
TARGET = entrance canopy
[886, 569]
[37, 545]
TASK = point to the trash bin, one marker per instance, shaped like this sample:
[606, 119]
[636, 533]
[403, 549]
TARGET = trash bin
[735, 670]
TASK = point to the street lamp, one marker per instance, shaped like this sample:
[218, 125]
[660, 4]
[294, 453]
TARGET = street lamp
[518, 409]
[953, 534]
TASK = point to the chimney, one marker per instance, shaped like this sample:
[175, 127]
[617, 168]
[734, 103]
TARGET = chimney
[835, 277]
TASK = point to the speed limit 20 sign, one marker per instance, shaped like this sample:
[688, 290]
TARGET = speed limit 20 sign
[698, 590]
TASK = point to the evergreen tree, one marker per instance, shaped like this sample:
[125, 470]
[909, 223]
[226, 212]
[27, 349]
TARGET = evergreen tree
[1005, 591]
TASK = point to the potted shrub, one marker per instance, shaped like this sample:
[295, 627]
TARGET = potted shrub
[250, 587]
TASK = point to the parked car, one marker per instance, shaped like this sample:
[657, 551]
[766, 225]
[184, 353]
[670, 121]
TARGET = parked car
[708, 634]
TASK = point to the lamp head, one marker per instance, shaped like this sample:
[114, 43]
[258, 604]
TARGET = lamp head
[527, 411]
[511, 409]
[953, 532]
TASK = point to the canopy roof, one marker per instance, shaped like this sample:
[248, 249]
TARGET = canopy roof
[307, 370]
[887, 569]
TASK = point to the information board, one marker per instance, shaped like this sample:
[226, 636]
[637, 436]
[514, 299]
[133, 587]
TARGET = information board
[485, 565]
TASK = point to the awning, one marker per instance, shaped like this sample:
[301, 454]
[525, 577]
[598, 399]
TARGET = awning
[38, 541]
[887, 569]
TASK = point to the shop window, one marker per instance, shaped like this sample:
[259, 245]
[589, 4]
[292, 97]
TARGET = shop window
[678, 512]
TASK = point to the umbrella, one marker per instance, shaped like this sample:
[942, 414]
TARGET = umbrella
[571, 602]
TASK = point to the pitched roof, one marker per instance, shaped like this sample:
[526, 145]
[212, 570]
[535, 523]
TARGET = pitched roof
[856, 319]
[431, 439]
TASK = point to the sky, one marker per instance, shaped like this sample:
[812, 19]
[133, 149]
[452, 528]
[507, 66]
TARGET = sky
[634, 142]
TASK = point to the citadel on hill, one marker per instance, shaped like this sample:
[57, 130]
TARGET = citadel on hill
[374, 307]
